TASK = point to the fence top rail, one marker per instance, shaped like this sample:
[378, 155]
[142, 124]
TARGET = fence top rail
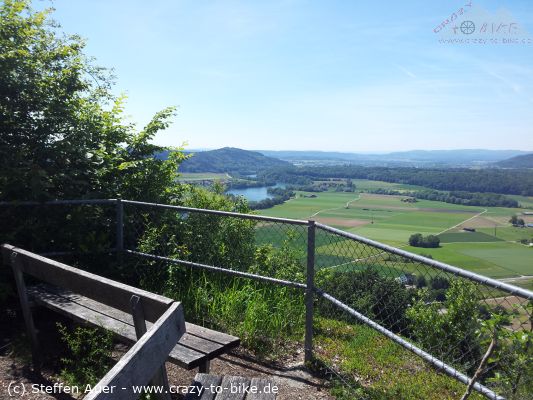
[527, 294]
[415, 257]
[216, 212]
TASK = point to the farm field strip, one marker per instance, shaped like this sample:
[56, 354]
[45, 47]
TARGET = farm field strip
[389, 220]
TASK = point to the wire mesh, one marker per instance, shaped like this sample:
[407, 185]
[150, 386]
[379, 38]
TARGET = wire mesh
[244, 275]
[451, 317]
[59, 227]
[214, 262]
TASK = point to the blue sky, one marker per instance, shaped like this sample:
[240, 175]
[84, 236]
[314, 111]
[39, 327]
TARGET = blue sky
[313, 75]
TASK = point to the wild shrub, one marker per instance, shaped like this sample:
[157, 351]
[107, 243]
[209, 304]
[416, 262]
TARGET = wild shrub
[263, 315]
[448, 330]
[89, 355]
[378, 297]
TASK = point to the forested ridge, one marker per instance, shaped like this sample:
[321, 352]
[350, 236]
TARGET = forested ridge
[230, 160]
[522, 161]
[503, 181]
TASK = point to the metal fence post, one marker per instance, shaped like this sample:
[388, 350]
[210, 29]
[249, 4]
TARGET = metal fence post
[120, 227]
[309, 291]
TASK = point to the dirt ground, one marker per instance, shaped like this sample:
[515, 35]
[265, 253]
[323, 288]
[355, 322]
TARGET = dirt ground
[522, 321]
[480, 222]
[292, 380]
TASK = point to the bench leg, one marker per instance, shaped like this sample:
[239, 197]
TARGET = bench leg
[205, 367]
[26, 312]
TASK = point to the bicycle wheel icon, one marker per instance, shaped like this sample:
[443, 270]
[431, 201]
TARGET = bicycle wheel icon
[468, 27]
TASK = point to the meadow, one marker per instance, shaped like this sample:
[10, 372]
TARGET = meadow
[492, 250]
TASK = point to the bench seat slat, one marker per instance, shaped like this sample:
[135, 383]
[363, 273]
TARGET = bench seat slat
[214, 336]
[202, 387]
[229, 382]
[192, 350]
[261, 384]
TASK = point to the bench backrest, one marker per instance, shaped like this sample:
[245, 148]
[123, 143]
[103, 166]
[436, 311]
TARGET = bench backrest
[103, 290]
[137, 367]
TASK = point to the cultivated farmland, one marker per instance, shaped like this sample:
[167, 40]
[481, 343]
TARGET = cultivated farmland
[493, 249]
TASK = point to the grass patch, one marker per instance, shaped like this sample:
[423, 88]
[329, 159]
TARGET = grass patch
[466, 237]
[379, 368]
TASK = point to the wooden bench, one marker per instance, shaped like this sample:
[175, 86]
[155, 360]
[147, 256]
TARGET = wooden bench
[196, 348]
[244, 388]
[98, 301]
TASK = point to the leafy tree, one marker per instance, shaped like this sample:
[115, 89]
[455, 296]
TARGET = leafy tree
[62, 133]
[433, 241]
[439, 282]
[415, 239]
[421, 281]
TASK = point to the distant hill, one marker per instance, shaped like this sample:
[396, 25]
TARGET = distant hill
[231, 160]
[452, 158]
[524, 161]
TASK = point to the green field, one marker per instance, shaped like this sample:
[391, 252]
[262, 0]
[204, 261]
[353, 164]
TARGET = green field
[491, 250]
[468, 237]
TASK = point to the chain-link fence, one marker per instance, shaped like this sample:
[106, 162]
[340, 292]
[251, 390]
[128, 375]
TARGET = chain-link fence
[449, 317]
[366, 313]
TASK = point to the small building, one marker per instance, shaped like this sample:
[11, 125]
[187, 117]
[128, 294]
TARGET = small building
[469, 229]
[529, 225]
[406, 279]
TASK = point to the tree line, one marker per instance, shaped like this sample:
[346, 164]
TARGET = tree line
[518, 181]
[456, 197]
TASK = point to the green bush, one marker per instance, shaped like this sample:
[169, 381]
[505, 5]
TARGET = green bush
[378, 297]
[89, 355]
[430, 241]
[448, 330]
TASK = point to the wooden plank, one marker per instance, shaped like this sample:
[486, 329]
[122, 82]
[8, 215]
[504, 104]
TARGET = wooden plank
[226, 341]
[264, 389]
[107, 291]
[160, 379]
[233, 388]
[214, 336]
[141, 362]
[82, 314]
[207, 338]
[85, 310]
[202, 345]
[204, 387]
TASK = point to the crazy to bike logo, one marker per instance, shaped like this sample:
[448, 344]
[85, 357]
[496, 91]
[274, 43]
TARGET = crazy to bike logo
[472, 24]
[468, 27]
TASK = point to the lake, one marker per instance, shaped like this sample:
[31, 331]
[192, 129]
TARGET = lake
[255, 193]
